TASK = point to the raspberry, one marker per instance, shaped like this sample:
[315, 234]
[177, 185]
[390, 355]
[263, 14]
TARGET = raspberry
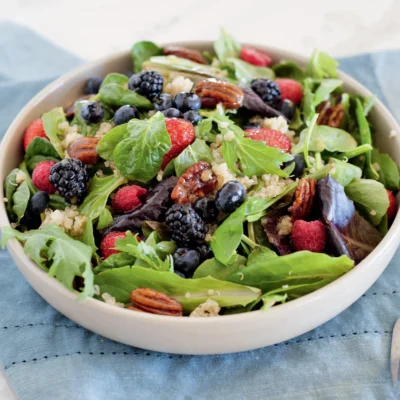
[181, 133]
[35, 129]
[128, 198]
[392, 209]
[290, 90]
[108, 243]
[271, 137]
[40, 177]
[309, 236]
[255, 57]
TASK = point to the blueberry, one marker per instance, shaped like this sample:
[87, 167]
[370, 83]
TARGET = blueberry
[192, 116]
[172, 113]
[207, 209]
[92, 112]
[39, 202]
[124, 114]
[251, 126]
[93, 85]
[31, 220]
[186, 261]
[163, 102]
[205, 252]
[186, 101]
[179, 274]
[300, 164]
[230, 196]
[288, 108]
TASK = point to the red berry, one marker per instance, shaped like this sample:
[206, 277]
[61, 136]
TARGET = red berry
[107, 245]
[309, 236]
[40, 177]
[392, 209]
[128, 198]
[271, 137]
[35, 129]
[290, 90]
[255, 57]
[181, 133]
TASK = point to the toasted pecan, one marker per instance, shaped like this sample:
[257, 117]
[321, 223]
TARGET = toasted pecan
[84, 149]
[330, 115]
[183, 52]
[303, 199]
[212, 92]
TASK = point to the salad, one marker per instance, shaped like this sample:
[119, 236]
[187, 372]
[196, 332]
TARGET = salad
[203, 183]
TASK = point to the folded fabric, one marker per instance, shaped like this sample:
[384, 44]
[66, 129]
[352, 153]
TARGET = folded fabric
[47, 356]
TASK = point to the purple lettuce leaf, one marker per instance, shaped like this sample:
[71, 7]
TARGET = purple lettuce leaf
[282, 243]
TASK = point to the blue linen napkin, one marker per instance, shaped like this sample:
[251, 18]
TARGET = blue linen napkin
[47, 356]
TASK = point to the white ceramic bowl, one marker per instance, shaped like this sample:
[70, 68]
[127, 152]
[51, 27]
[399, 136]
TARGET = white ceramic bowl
[194, 335]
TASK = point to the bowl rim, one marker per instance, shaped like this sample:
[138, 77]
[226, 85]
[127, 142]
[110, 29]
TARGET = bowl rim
[16, 249]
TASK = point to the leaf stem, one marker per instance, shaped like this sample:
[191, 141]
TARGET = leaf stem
[310, 129]
[249, 242]
[318, 161]
[364, 148]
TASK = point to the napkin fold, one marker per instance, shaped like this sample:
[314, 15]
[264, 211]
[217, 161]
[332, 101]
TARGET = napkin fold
[47, 356]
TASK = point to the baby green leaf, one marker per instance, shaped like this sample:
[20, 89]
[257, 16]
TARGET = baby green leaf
[115, 95]
[344, 172]
[42, 147]
[105, 218]
[57, 202]
[321, 65]
[246, 72]
[326, 87]
[370, 197]
[108, 142]
[139, 156]
[20, 200]
[119, 79]
[388, 170]
[142, 51]
[51, 121]
[10, 186]
[197, 151]
[212, 267]
[226, 46]
[115, 261]
[190, 293]
[289, 69]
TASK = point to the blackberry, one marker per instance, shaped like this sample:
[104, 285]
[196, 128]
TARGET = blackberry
[268, 91]
[207, 209]
[186, 261]
[147, 83]
[186, 226]
[70, 177]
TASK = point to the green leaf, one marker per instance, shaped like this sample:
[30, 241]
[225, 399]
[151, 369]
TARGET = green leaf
[326, 87]
[28, 179]
[365, 138]
[321, 65]
[99, 191]
[88, 236]
[40, 147]
[35, 160]
[118, 79]
[190, 293]
[142, 51]
[115, 95]
[344, 172]
[20, 200]
[326, 138]
[54, 251]
[57, 202]
[105, 218]
[109, 141]
[51, 121]
[370, 197]
[314, 270]
[226, 47]
[308, 107]
[246, 72]
[388, 170]
[197, 151]
[10, 185]
[115, 261]
[212, 267]
[260, 254]
[368, 104]
[139, 155]
[289, 69]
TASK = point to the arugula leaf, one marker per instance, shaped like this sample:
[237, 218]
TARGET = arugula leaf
[106, 146]
[142, 51]
[51, 121]
[212, 267]
[326, 138]
[99, 191]
[115, 95]
[226, 46]
[20, 200]
[10, 186]
[344, 172]
[246, 72]
[300, 268]
[197, 151]
[57, 253]
[190, 293]
[57, 202]
[388, 170]
[365, 138]
[371, 198]
[321, 65]
[288, 69]
[140, 154]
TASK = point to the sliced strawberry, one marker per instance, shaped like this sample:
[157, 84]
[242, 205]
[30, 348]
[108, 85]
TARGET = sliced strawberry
[392, 209]
[255, 57]
[271, 137]
[290, 90]
[35, 129]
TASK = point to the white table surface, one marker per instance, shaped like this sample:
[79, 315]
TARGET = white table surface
[94, 28]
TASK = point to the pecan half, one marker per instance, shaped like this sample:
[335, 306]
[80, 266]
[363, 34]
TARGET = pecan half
[212, 92]
[304, 198]
[84, 149]
[196, 182]
[155, 302]
[183, 52]
[330, 115]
